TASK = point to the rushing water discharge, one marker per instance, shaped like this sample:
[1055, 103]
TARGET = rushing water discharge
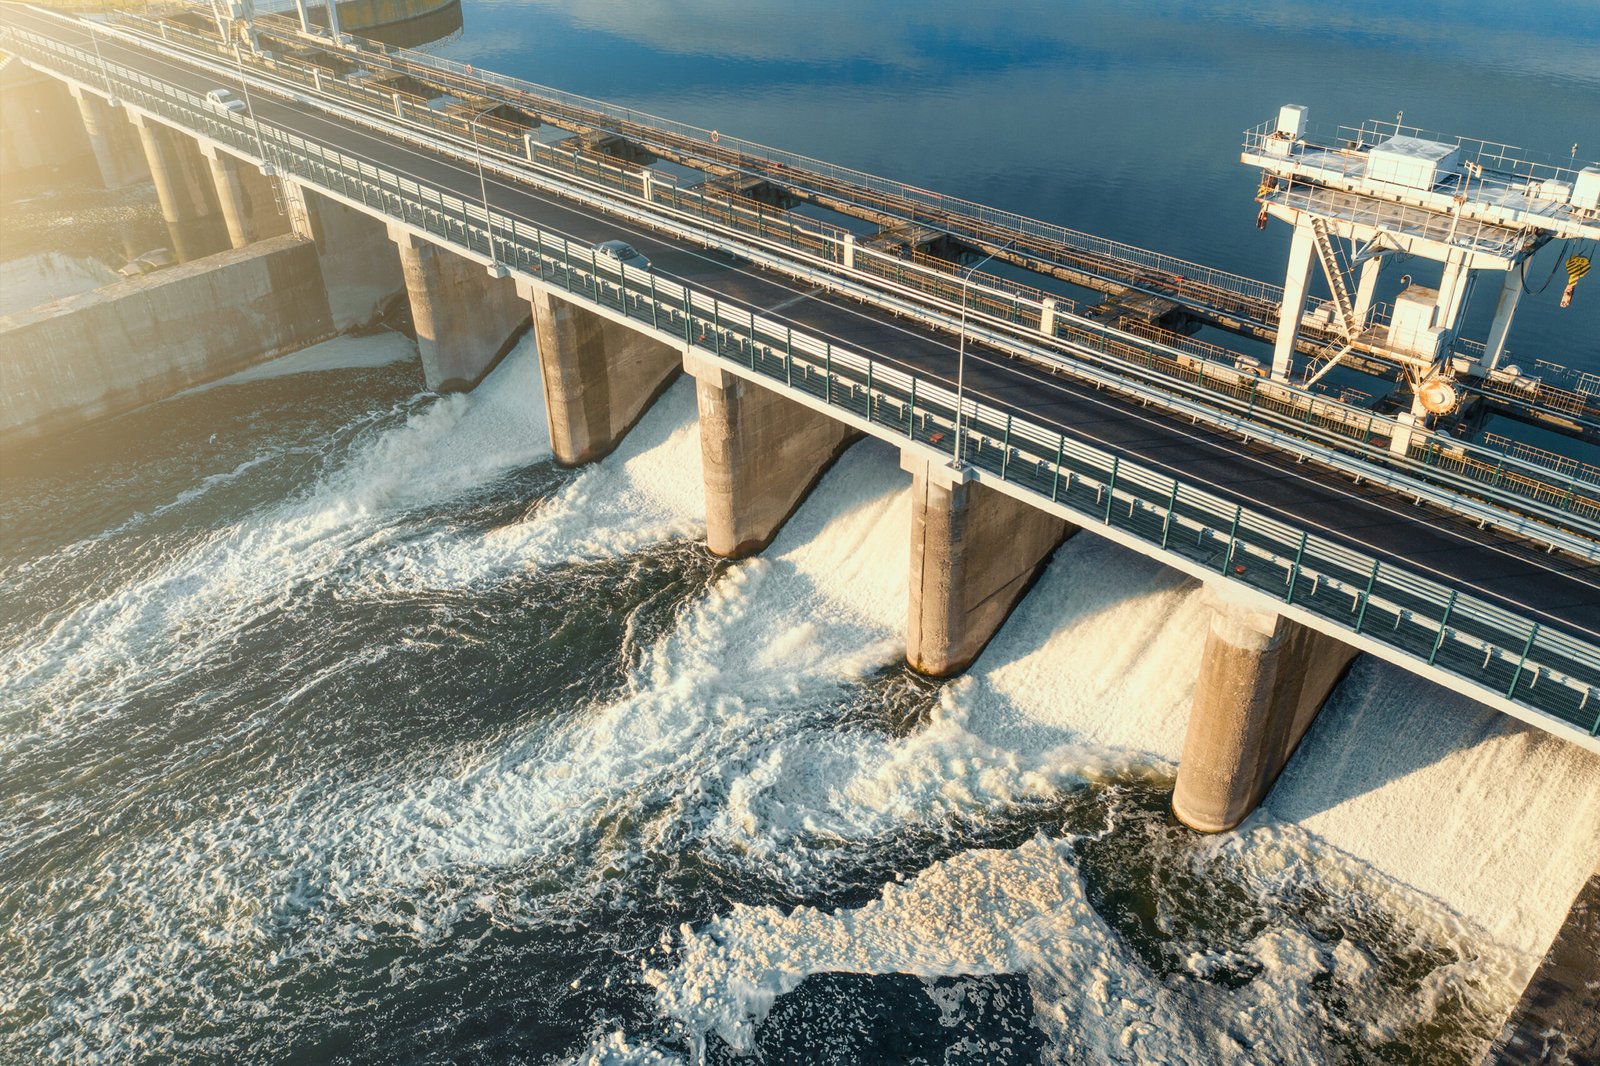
[338, 724]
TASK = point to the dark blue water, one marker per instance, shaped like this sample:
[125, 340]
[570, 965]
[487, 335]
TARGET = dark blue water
[338, 724]
[1119, 119]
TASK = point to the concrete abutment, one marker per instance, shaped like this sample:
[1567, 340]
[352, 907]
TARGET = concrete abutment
[599, 376]
[761, 454]
[1263, 678]
[113, 349]
[974, 552]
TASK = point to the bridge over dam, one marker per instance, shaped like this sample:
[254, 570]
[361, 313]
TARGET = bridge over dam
[1322, 529]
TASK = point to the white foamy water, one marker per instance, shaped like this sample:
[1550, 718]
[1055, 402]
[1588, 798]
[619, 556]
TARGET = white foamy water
[1496, 819]
[647, 492]
[521, 830]
[344, 352]
[176, 614]
[1026, 911]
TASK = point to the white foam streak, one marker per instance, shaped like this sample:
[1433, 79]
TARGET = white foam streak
[344, 352]
[1025, 911]
[1469, 806]
[158, 624]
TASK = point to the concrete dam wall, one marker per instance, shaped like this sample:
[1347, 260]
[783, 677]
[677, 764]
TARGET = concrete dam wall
[108, 351]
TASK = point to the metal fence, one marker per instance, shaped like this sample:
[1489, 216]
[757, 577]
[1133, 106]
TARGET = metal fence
[1508, 480]
[1430, 625]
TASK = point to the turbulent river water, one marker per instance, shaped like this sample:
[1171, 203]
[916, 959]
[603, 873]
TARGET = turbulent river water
[338, 724]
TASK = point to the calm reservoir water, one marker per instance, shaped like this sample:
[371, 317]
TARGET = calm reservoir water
[338, 724]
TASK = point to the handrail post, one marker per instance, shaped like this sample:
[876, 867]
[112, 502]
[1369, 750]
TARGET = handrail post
[1294, 571]
[1511, 689]
[1233, 533]
[1166, 523]
[1111, 486]
[1055, 479]
[1444, 623]
[1005, 448]
[1366, 596]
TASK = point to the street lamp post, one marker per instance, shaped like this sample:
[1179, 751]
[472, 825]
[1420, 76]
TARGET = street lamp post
[957, 462]
[250, 112]
[105, 74]
[483, 187]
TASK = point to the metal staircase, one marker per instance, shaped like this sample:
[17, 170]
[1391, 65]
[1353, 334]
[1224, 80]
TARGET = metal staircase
[1331, 257]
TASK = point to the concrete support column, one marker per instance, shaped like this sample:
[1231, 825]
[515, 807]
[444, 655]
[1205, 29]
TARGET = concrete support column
[762, 453]
[1263, 678]
[39, 132]
[1365, 287]
[599, 375]
[466, 319]
[111, 138]
[230, 196]
[183, 186]
[359, 261]
[974, 552]
[1504, 309]
[1294, 300]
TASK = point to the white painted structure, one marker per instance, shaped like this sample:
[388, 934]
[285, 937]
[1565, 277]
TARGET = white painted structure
[1385, 188]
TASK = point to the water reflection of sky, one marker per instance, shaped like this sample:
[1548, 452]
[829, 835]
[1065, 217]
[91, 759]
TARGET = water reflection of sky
[1120, 118]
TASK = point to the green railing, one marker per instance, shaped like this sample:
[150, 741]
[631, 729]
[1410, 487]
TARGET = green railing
[1432, 626]
[1141, 354]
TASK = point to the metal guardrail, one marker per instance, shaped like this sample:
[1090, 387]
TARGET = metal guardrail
[1505, 480]
[1429, 625]
[1504, 160]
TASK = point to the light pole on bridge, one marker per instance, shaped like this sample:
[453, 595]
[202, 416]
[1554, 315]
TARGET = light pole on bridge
[957, 461]
[483, 189]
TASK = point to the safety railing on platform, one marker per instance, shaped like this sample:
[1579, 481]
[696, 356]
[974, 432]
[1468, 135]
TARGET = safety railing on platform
[1426, 622]
[1507, 161]
[1567, 465]
[1280, 407]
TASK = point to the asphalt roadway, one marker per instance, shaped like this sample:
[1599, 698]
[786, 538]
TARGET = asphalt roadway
[1551, 588]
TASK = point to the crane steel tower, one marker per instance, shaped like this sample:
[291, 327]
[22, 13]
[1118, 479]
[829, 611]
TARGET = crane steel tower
[1385, 189]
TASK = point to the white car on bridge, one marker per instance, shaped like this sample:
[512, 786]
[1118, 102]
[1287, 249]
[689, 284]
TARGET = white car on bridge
[223, 100]
[621, 253]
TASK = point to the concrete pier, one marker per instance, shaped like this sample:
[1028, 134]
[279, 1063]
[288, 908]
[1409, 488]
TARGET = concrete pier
[1263, 678]
[761, 453]
[1557, 1021]
[40, 135]
[360, 264]
[117, 153]
[466, 320]
[599, 375]
[184, 188]
[974, 552]
[124, 345]
[245, 195]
